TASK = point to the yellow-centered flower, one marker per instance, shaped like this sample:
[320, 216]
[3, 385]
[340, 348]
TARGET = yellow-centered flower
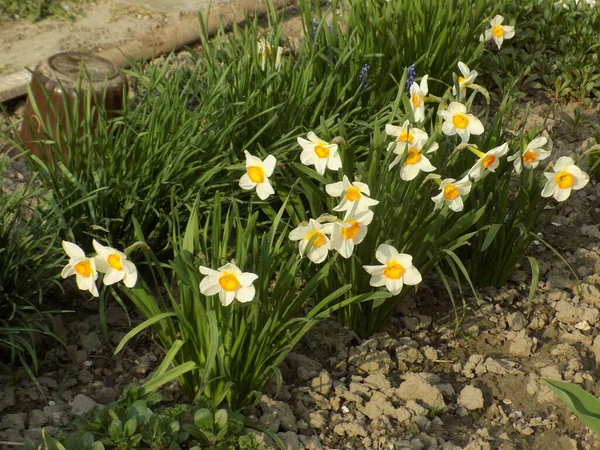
[350, 232]
[498, 32]
[488, 161]
[566, 177]
[451, 191]
[229, 282]
[464, 81]
[319, 153]
[114, 265]
[396, 270]
[417, 98]
[257, 175]
[318, 234]
[355, 196]
[458, 121]
[531, 157]
[82, 267]
[406, 136]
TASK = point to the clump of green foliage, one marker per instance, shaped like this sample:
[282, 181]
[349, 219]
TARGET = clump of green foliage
[29, 264]
[136, 422]
[37, 9]
[555, 48]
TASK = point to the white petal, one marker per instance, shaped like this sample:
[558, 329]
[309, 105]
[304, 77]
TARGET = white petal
[411, 276]
[377, 280]
[393, 130]
[226, 297]
[362, 187]
[385, 253]
[246, 183]
[581, 180]
[456, 205]
[72, 250]
[131, 276]
[476, 172]
[509, 31]
[334, 162]
[252, 160]
[264, 189]
[394, 286]
[374, 270]
[210, 285]
[335, 189]
[208, 271]
[247, 278]
[113, 276]
[318, 254]
[562, 163]
[268, 165]
[320, 165]
[560, 195]
[464, 134]
[67, 271]
[475, 126]
[245, 294]
[409, 172]
[538, 142]
[448, 128]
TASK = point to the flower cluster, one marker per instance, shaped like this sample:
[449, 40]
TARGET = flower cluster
[111, 262]
[362, 77]
[411, 73]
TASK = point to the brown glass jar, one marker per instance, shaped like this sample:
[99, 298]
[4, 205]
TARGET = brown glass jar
[68, 78]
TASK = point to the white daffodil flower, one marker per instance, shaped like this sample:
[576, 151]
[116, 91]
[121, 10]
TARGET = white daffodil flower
[355, 196]
[321, 243]
[488, 161]
[114, 265]
[265, 50]
[396, 270]
[451, 191]
[257, 175]
[533, 154]
[414, 162]
[498, 32]
[417, 98]
[319, 153]
[406, 135]
[229, 282]
[464, 81]
[566, 177]
[458, 121]
[350, 232]
[82, 267]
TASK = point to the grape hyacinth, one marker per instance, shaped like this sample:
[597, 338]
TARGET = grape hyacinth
[362, 78]
[315, 27]
[410, 78]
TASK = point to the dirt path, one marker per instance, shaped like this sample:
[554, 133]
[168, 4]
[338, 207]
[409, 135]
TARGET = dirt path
[100, 25]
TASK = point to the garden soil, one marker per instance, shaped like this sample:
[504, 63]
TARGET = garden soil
[436, 378]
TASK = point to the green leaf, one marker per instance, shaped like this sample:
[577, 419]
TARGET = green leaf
[130, 427]
[490, 235]
[221, 418]
[142, 326]
[535, 278]
[582, 403]
[203, 419]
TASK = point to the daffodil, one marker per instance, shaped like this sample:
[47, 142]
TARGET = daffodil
[464, 81]
[229, 282]
[414, 163]
[458, 121]
[451, 191]
[417, 98]
[318, 233]
[265, 51]
[257, 175]
[355, 196]
[406, 135]
[498, 32]
[319, 153]
[350, 232]
[82, 267]
[396, 270]
[488, 161]
[114, 265]
[566, 177]
[533, 154]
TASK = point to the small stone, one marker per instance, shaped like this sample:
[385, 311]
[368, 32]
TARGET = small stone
[82, 405]
[568, 313]
[417, 387]
[430, 353]
[290, 440]
[374, 361]
[583, 326]
[527, 431]
[317, 420]
[322, 384]
[7, 399]
[91, 342]
[516, 321]
[350, 429]
[279, 410]
[13, 421]
[522, 345]
[37, 419]
[105, 395]
[471, 398]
